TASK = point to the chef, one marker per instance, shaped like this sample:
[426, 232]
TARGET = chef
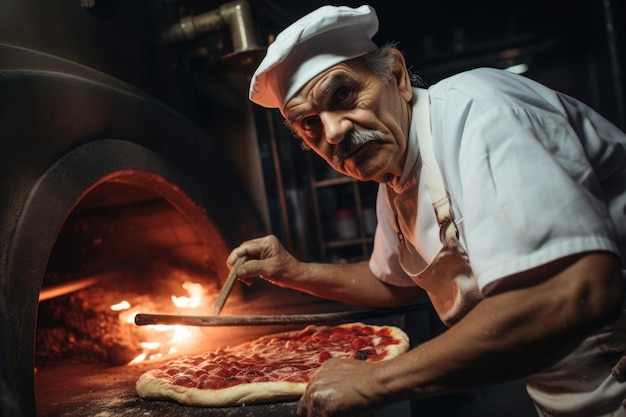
[500, 198]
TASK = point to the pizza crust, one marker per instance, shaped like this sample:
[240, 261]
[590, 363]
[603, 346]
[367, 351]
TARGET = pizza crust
[150, 387]
[403, 342]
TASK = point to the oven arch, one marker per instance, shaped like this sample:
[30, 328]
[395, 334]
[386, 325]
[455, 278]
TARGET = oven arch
[47, 207]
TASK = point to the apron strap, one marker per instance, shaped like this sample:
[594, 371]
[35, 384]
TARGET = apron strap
[439, 195]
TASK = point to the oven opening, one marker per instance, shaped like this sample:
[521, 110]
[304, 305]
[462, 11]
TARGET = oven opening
[124, 249]
[135, 244]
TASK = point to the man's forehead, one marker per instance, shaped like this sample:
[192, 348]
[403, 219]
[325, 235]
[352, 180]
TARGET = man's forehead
[326, 82]
[319, 87]
[304, 102]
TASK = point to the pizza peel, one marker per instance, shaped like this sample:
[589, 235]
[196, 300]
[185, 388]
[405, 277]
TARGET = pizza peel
[227, 288]
[264, 320]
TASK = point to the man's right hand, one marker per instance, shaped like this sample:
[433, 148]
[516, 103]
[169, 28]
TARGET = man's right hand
[265, 258]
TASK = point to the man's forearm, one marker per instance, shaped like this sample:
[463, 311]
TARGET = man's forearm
[352, 284]
[509, 335]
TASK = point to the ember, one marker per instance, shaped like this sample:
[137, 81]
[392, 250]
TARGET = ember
[96, 324]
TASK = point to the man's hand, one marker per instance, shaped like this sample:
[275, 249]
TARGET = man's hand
[266, 258]
[341, 388]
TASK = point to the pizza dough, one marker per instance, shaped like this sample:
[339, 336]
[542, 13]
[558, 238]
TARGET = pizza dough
[271, 368]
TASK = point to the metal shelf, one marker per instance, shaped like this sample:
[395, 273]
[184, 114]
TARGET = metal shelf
[326, 244]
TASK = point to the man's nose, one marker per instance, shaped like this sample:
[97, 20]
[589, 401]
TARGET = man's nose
[335, 126]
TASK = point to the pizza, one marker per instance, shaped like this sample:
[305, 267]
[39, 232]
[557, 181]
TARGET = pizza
[271, 368]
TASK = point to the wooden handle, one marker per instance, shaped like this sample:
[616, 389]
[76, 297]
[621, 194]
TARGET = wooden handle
[227, 288]
[292, 319]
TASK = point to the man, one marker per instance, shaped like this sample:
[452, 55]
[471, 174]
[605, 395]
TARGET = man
[500, 198]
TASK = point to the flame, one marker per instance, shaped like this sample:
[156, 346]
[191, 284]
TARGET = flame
[161, 341]
[124, 305]
[196, 292]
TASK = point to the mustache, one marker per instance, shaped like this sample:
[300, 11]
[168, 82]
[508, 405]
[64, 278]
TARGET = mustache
[352, 140]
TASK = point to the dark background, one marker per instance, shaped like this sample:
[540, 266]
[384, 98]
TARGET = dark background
[574, 46]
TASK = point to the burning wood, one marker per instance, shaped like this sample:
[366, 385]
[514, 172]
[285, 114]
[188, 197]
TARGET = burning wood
[96, 324]
[82, 327]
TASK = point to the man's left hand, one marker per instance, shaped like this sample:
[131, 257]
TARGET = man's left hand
[340, 388]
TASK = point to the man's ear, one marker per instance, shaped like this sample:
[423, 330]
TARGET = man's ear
[401, 74]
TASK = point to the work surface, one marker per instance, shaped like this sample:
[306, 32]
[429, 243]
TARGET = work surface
[95, 391]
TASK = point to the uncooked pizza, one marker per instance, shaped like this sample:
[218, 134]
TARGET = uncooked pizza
[271, 368]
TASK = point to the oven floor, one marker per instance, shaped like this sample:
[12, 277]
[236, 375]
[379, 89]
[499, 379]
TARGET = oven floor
[83, 390]
[74, 389]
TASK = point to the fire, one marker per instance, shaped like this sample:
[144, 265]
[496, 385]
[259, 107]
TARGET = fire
[162, 341]
[196, 292]
[124, 305]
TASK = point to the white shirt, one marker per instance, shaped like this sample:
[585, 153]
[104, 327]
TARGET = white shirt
[533, 176]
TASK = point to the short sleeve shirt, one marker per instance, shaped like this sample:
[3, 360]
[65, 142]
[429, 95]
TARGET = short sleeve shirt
[533, 176]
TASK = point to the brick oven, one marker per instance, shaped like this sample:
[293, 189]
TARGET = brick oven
[103, 174]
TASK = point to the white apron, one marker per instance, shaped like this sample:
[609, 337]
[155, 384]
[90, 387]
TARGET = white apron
[448, 279]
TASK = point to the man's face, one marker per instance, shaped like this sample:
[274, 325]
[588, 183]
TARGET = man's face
[353, 121]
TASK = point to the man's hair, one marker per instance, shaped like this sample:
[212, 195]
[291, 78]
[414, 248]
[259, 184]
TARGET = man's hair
[380, 63]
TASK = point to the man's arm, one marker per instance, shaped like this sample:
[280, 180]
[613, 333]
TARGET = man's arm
[351, 283]
[522, 329]
[513, 333]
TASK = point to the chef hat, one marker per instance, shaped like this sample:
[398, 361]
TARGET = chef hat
[311, 45]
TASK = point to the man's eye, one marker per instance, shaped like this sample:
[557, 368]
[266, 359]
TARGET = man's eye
[310, 125]
[342, 96]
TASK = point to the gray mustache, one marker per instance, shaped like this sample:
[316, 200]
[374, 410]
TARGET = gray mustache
[355, 139]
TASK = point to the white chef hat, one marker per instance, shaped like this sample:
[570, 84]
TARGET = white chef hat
[309, 46]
